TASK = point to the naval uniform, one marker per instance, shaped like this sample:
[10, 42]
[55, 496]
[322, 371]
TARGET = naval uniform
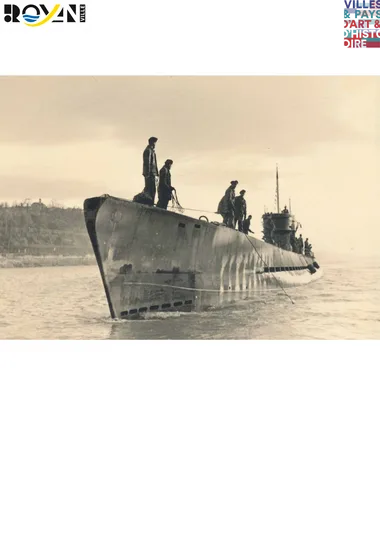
[240, 211]
[164, 188]
[150, 171]
[226, 207]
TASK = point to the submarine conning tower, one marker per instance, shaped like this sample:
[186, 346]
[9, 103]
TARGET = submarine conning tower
[277, 229]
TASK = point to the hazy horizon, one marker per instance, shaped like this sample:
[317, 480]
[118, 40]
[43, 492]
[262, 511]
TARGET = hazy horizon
[69, 138]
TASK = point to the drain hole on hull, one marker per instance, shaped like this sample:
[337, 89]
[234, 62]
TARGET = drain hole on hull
[189, 302]
[181, 225]
[154, 307]
[197, 225]
[125, 313]
[178, 303]
[143, 309]
[133, 311]
[166, 305]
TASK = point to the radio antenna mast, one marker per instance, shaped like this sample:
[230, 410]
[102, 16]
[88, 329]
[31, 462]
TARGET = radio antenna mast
[277, 190]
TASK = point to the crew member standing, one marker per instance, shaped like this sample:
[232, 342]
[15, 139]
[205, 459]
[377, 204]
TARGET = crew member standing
[246, 225]
[150, 170]
[165, 185]
[240, 210]
[300, 239]
[226, 206]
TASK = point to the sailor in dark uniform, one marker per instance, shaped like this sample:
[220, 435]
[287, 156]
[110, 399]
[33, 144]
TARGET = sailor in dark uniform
[226, 206]
[165, 185]
[246, 225]
[307, 247]
[150, 170]
[240, 210]
[300, 242]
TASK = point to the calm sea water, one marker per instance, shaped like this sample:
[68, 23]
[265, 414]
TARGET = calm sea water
[69, 303]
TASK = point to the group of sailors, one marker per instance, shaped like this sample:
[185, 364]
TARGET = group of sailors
[298, 244]
[291, 242]
[150, 173]
[234, 209]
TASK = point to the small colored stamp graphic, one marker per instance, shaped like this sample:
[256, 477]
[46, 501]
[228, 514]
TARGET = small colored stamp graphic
[36, 15]
[362, 24]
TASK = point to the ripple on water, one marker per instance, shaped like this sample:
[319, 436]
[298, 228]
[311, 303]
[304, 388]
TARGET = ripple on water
[69, 303]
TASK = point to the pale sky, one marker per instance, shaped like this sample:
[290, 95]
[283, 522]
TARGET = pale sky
[68, 138]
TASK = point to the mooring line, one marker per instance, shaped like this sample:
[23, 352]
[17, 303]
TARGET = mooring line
[193, 289]
[258, 253]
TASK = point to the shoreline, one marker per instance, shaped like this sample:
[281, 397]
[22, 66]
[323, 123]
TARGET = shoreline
[19, 262]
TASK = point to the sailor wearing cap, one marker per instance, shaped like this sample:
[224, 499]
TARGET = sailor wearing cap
[240, 210]
[165, 185]
[150, 170]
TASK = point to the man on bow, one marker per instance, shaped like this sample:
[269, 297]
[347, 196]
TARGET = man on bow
[150, 170]
[165, 185]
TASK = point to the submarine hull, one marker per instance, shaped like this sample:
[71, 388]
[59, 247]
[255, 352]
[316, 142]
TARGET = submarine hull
[153, 260]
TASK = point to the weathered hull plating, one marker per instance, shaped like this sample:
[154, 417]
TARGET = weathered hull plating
[152, 260]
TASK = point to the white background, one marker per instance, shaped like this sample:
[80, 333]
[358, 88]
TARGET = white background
[177, 439]
[199, 37]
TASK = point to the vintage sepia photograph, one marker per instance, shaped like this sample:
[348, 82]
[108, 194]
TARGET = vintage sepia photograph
[189, 207]
[189, 270]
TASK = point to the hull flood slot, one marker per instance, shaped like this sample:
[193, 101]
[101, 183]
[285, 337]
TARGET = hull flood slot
[189, 301]
[154, 307]
[166, 305]
[271, 269]
[197, 226]
[181, 225]
[178, 303]
[133, 311]
[143, 309]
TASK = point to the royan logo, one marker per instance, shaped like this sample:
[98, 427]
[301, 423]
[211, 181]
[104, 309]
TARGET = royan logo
[37, 15]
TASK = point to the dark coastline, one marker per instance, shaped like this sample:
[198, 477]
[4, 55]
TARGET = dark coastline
[14, 261]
